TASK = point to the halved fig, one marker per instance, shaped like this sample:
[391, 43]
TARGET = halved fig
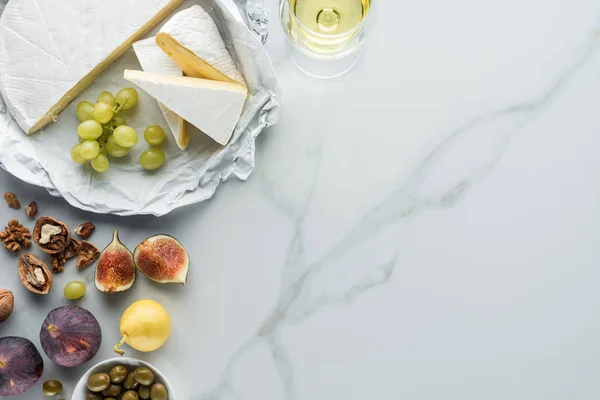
[115, 271]
[163, 259]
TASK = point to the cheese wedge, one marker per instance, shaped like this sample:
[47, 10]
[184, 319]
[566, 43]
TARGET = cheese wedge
[51, 50]
[153, 59]
[211, 106]
[193, 41]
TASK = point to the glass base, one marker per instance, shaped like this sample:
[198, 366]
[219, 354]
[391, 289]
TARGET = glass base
[325, 68]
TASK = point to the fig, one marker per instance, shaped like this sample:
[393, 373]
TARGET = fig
[145, 326]
[115, 271]
[70, 336]
[21, 365]
[162, 259]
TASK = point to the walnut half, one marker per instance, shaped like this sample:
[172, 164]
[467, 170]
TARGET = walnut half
[34, 274]
[51, 235]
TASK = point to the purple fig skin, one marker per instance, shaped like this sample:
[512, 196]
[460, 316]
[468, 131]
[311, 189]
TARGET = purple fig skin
[21, 365]
[70, 336]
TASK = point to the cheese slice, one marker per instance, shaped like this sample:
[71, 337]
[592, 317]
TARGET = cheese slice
[51, 50]
[153, 59]
[193, 41]
[211, 106]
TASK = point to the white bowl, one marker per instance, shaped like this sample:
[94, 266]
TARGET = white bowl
[105, 366]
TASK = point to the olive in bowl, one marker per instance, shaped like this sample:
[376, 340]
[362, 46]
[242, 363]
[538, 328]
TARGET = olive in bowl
[123, 378]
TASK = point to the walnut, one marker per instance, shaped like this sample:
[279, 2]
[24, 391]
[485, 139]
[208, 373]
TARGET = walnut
[31, 209]
[51, 235]
[72, 249]
[34, 274]
[85, 229]
[88, 253]
[7, 304]
[57, 262]
[16, 236]
[12, 200]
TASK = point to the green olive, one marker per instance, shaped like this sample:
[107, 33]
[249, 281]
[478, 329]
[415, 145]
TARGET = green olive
[98, 382]
[144, 392]
[130, 382]
[112, 391]
[118, 373]
[158, 391]
[144, 376]
[52, 388]
[93, 396]
[130, 395]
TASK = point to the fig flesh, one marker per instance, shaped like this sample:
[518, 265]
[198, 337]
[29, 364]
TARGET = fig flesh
[70, 336]
[115, 271]
[21, 365]
[162, 259]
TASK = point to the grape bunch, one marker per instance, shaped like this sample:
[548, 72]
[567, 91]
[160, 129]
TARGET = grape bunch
[103, 132]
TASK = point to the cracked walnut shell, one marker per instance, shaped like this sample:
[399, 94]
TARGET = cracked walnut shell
[88, 253]
[51, 235]
[72, 249]
[34, 274]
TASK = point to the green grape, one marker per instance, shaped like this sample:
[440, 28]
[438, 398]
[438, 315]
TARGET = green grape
[85, 111]
[116, 122]
[76, 155]
[90, 130]
[154, 135]
[100, 163]
[114, 149]
[89, 149]
[152, 159]
[104, 137]
[107, 97]
[103, 112]
[74, 290]
[125, 136]
[126, 98]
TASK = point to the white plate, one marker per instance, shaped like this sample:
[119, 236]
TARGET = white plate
[188, 176]
[131, 364]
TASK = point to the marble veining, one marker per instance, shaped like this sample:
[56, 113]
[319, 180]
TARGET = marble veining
[458, 262]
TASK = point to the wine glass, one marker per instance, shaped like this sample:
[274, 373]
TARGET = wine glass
[325, 36]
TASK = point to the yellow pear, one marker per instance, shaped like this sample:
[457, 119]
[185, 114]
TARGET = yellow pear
[145, 326]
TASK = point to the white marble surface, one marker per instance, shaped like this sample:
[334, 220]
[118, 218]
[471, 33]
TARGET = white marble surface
[424, 228]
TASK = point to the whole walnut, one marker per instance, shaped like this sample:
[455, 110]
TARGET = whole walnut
[7, 304]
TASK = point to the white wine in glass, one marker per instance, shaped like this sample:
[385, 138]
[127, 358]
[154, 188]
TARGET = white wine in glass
[326, 34]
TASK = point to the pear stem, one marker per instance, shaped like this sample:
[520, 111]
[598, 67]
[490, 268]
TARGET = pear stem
[117, 349]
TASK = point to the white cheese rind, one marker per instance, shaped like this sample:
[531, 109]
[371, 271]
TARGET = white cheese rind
[211, 106]
[153, 59]
[52, 50]
[195, 30]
